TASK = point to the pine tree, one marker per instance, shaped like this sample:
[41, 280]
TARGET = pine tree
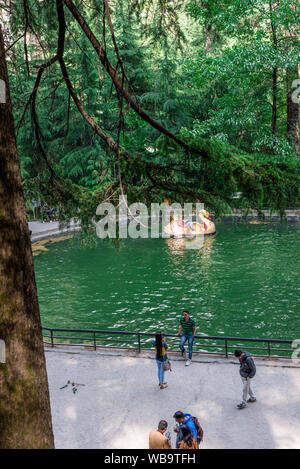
[25, 416]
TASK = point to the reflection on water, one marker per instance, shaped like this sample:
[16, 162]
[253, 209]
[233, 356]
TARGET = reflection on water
[39, 246]
[204, 245]
[205, 252]
[244, 281]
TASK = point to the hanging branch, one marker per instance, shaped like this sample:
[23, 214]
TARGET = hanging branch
[107, 11]
[54, 178]
[60, 52]
[32, 100]
[25, 36]
[113, 145]
[117, 82]
[9, 47]
[28, 26]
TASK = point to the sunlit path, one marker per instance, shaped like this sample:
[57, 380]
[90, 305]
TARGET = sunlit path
[120, 401]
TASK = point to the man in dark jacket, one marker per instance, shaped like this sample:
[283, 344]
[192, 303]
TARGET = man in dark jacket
[247, 372]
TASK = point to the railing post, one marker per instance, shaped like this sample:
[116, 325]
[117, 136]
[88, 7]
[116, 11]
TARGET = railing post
[52, 342]
[269, 350]
[226, 348]
[139, 342]
[95, 343]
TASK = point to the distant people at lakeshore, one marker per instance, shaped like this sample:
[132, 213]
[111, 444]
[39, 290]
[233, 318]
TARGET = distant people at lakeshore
[160, 438]
[187, 331]
[161, 347]
[247, 372]
[48, 213]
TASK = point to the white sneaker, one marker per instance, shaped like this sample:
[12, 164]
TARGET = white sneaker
[188, 362]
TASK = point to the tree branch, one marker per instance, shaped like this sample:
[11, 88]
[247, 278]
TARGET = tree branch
[117, 81]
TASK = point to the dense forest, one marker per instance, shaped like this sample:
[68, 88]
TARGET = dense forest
[178, 99]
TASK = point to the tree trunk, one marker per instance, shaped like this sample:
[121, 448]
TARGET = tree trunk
[275, 72]
[208, 38]
[292, 109]
[274, 101]
[25, 416]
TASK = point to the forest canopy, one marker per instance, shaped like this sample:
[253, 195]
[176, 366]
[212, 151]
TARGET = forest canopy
[158, 99]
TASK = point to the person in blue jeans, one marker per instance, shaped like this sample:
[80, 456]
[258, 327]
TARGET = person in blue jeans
[187, 330]
[161, 348]
[183, 419]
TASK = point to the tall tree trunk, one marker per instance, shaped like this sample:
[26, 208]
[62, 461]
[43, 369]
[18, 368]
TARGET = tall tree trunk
[208, 38]
[292, 109]
[25, 416]
[274, 100]
[275, 72]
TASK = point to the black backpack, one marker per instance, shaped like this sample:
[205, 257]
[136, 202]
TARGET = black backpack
[199, 430]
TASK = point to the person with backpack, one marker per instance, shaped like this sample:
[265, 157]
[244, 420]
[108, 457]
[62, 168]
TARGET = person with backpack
[160, 345]
[247, 372]
[188, 440]
[191, 422]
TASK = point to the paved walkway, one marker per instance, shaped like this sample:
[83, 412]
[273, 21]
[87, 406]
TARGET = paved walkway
[120, 401]
[49, 229]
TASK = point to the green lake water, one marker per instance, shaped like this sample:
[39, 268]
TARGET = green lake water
[243, 282]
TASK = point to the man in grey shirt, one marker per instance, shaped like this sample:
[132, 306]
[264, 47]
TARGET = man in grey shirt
[247, 372]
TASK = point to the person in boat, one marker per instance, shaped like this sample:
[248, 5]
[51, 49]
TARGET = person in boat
[207, 227]
[176, 226]
[181, 227]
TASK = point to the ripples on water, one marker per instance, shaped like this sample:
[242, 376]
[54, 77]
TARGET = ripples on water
[243, 282]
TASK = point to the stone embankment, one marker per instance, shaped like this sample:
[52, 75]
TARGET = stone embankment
[46, 230]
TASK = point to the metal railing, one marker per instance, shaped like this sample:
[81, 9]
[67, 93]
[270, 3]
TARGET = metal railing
[213, 345]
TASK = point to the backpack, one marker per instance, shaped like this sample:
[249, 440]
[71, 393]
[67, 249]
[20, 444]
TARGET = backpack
[199, 430]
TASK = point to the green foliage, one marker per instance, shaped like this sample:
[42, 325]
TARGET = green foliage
[202, 69]
[236, 83]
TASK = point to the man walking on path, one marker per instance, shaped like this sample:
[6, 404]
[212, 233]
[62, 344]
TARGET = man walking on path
[247, 372]
[188, 329]
[158, 439]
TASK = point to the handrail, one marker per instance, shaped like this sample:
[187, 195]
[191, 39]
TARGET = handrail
[225, 345]
[282, 341]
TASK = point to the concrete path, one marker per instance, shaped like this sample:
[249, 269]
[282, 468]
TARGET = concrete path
[121, 402]
[49, 229]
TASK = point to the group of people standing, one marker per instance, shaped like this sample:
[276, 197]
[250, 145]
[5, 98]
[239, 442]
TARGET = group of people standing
[48, 213]
[189, 433]
[187, 427]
